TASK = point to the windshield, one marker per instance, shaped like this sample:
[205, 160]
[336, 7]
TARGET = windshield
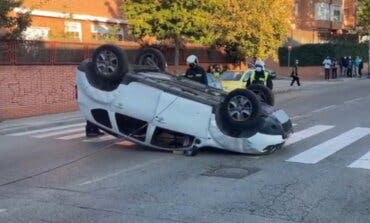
[230, 76]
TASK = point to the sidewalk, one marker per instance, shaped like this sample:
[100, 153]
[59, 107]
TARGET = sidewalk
[281, 85]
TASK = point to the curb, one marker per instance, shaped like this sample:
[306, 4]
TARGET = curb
[16, 129]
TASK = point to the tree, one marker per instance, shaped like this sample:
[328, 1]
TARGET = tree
[363, 13]
[253, 28]
[13, 24]
[175, 20]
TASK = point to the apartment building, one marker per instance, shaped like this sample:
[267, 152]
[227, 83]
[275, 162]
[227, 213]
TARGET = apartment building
[77, 20]
[317, 20]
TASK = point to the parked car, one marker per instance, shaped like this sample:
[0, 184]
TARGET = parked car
[146, 105]
[232, 80]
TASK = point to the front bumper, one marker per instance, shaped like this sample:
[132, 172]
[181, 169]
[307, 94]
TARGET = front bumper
[270, 137]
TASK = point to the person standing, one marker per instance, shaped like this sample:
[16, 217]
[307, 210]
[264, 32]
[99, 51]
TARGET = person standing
[218, 71]
[195, 72]
[341, 65]
[356, 65]
[294, 74]
[345, 67]
[361, 66]
[350, 67]
[334, 69]
[327, 66]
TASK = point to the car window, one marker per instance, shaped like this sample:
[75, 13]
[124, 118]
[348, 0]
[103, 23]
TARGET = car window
[247, 75]
[230, 76]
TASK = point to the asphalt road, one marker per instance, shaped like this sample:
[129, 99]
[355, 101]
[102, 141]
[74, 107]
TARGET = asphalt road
[322, 175]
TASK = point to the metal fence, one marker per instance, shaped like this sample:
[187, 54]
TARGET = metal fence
[71, 53]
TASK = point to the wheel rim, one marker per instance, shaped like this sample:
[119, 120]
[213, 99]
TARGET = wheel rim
[239, 108]
[107, 63]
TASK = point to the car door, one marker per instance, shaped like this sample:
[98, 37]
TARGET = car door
[137, 100]
[182, 115]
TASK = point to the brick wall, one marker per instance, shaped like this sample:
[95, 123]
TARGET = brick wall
[36, 90]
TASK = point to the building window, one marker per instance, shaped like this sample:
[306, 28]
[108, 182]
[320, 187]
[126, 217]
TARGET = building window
[296, 9]
[36, 33]
[107, 32]
[322, 11]
[336, 14]
[73, 30]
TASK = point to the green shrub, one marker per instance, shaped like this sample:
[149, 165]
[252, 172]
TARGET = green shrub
[314, 54]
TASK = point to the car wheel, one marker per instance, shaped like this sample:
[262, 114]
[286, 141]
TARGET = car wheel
[240, 109]
[263, 93]
[110, 63]
[151, 57]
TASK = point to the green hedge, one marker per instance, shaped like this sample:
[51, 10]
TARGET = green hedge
[314, 54]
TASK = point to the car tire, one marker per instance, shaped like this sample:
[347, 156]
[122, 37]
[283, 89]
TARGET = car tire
[151, 57]
[264, 93]
[110, 63]
[240, 110]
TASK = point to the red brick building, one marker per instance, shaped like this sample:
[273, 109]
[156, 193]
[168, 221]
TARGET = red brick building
[82, 20]
[316, 20]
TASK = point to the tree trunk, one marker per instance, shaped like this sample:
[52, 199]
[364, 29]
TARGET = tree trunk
[177, 54]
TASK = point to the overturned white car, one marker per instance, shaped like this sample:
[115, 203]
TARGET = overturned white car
[146, 105]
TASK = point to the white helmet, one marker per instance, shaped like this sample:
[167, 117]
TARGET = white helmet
[260, 63]
[192, 59]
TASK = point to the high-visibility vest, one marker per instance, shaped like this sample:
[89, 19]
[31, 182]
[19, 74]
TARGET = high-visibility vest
[262, 79]
[217, 75]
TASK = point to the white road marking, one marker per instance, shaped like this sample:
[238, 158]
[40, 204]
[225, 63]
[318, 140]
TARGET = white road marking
[3, 210]
[320, 152]
[74, 136]
[297, 117]
[353, 100]
[47, 129]
[101, 139]
[362, 163]
[295, 124]
[132, 168]
[324, 108]
[304, 134]
[63, 132]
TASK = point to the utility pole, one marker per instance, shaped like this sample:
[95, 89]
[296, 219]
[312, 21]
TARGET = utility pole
[289, 51]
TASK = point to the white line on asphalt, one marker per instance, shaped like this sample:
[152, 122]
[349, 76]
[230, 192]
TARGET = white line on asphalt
[297, 117]
[304, 134]
[100, 139]
[74, 136]
[47, 129]
[353, 100]
[324, 108]
[320, 152]
[63, 132]
[3, 210]
[132, 168]
[295, 124]
[362, 163]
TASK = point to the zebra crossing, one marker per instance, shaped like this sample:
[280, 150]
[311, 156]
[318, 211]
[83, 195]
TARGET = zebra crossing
[312, 155]
[66, 132]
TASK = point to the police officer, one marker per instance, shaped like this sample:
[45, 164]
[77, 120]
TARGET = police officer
[260, 76]
[195, 72]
